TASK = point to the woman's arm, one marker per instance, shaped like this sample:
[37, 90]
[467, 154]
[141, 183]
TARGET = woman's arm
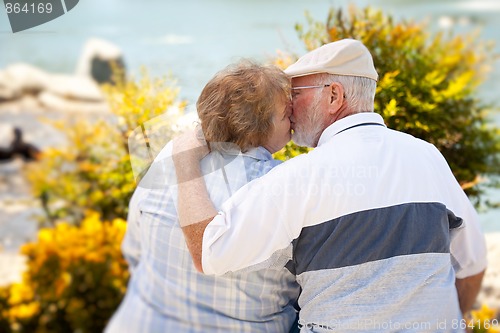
[194, 206]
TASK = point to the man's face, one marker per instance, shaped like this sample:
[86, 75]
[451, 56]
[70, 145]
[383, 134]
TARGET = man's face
[308, 116]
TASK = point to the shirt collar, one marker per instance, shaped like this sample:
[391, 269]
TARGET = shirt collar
[349, 121]
[258, 153]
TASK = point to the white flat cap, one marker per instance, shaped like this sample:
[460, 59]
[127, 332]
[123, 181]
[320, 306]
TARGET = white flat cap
[343, 57]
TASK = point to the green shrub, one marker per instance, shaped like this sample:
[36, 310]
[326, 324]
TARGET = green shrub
[427, 87]
[76, 277]
[93, 171]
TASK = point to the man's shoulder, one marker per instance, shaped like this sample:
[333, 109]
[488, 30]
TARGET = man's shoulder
[412, 143]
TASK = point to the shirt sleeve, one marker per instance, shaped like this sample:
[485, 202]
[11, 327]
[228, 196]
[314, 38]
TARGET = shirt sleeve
[261, 218]
[468, 245]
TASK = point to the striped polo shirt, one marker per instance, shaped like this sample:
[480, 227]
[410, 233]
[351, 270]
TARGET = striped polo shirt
[379, 225]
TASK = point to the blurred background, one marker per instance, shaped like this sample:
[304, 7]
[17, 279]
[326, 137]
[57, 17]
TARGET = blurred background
[188, 42]
[191, 40]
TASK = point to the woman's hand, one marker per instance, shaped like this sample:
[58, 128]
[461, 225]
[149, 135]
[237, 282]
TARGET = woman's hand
[187, 152]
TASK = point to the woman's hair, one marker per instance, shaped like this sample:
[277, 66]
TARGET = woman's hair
[237, 105]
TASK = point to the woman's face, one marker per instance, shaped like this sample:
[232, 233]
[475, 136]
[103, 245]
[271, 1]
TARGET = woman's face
[281, 132]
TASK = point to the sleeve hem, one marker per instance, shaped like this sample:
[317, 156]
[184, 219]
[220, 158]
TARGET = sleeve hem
[472, 270]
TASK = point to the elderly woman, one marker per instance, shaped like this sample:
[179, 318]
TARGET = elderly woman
[247, 107]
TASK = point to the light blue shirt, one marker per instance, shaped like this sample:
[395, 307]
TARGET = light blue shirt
[166, 293]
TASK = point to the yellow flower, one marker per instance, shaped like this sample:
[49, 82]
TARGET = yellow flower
[484, 320]
[24, 311]
[494, 329]
[45, 235]
[93, 257]
[19, 293]
[483, 314]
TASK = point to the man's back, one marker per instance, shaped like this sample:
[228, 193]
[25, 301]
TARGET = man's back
[375, 255]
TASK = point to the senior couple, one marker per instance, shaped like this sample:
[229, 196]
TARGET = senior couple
[369, 232]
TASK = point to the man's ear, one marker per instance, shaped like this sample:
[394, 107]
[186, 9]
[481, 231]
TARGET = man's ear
[336, 97]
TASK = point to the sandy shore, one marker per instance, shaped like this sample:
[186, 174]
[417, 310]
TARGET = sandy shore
[18, 208]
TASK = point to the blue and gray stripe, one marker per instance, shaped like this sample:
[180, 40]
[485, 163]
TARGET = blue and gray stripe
[375, 234]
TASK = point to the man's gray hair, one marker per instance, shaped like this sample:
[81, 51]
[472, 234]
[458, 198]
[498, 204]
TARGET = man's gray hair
[359, 91]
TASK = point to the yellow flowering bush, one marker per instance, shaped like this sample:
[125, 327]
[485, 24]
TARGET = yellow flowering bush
[75, 279]
[93, 171]
[484, 320]
[290, 151]
[19, 311]
[4, 323]
[137, 102]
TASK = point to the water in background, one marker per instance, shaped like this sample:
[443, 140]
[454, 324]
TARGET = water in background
[192, 39]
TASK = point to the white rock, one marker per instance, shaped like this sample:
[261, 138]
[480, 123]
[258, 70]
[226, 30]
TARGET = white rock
[25, 103]
[25, 78]
[101, 50]
[75, 88]
[6, 135]
[55, 102]
[7, 90]
[7, 93]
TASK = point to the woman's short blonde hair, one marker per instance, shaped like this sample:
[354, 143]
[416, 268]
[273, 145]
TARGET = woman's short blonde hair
[237, 105]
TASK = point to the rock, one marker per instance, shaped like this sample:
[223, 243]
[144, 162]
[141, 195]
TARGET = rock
[7, 90]
[6, 135]
[70, 93]
[75, 88]
[26, 78]
[55, 102]
[98, 60]
[7, 94]
[24, 103]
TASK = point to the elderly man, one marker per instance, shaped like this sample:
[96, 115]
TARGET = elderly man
[383, 236]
